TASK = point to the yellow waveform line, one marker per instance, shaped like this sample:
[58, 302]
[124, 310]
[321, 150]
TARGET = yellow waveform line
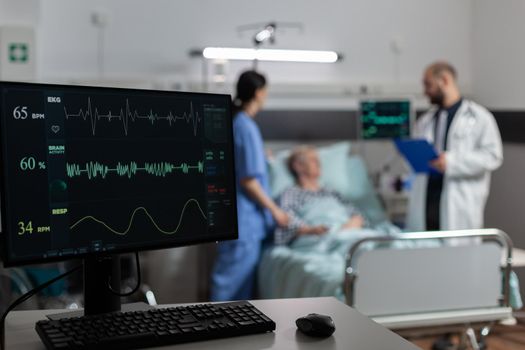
[147, 214]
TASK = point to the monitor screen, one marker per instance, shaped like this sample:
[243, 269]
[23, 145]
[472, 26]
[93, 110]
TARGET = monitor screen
[88, 170]
[385, 119]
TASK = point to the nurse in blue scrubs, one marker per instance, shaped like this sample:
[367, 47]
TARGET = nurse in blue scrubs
[234, 271]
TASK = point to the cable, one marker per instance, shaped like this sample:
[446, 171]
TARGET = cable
[138, 281]
[41, 287]
[26, 296]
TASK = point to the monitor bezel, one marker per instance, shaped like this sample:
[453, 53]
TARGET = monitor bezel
[5, 237]
[411, 122]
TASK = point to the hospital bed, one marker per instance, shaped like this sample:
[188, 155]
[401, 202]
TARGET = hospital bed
[407, 288]
[402, 280]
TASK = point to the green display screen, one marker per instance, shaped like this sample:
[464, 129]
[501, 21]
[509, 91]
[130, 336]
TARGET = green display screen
[385, 119]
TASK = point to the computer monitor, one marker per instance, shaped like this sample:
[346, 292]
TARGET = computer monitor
[385, 119]
[89, 172]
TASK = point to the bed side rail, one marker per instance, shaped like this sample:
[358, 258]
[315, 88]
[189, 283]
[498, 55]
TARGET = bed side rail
[487, 235]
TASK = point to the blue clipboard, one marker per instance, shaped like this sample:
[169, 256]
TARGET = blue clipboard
[418, 153]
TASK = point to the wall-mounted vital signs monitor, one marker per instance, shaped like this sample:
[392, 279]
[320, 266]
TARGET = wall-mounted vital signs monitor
[385, 119]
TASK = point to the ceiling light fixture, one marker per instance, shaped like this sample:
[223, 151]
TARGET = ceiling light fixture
[230, 53]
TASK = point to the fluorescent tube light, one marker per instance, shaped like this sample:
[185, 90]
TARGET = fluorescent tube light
[230, 53]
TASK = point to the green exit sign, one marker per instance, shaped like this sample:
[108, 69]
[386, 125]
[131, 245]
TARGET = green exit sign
[18, 52]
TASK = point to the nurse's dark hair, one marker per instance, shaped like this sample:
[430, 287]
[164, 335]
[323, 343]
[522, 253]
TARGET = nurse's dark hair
[249, 82]
[439, 67]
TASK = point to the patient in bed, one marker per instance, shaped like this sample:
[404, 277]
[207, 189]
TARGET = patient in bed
[313, 210]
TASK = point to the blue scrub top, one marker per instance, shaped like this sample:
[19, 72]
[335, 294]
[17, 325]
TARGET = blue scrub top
[250, 162]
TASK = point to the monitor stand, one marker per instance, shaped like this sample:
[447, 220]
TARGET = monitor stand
[99, 274]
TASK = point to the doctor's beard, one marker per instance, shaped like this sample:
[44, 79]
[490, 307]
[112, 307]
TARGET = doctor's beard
[437, 98]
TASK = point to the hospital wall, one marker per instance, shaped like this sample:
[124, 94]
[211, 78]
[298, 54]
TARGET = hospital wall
[150, 40]
[498, 73]
[505, 207]
[498, 53]
[20, 12]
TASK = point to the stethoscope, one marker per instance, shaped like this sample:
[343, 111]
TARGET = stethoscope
[471, 116]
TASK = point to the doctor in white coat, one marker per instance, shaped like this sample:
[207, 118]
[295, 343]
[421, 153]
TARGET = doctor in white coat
[468, 142]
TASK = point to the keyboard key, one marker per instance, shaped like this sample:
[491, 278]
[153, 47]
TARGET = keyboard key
[126, 339]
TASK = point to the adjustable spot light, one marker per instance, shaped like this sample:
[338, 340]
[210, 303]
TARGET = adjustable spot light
[268, 33]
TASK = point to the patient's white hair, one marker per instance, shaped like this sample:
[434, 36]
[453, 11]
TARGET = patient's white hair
[298, 156]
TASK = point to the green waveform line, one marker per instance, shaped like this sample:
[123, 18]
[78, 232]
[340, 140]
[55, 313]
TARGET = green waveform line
[162, 169]
[122, 233]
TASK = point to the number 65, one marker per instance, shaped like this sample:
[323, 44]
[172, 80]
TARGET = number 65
[20, 112]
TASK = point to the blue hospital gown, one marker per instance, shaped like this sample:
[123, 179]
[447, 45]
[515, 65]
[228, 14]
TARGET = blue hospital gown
[234, 271]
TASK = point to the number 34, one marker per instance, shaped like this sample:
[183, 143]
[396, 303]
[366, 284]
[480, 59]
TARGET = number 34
[25, 228]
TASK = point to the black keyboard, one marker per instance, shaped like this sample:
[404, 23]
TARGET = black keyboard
[156, 327]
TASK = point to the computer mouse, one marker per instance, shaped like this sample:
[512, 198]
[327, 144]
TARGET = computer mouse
[316, 325]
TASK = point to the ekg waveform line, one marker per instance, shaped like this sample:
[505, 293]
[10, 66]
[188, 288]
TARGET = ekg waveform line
[123, 233]
[161, 169]
[125, 115]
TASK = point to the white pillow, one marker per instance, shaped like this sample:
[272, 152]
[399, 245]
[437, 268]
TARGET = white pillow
[333, 169]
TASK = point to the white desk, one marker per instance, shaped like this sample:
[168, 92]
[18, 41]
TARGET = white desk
[353, 330]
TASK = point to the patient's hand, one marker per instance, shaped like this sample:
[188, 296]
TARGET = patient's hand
[312, 230]
[281, 218]
[355, 221]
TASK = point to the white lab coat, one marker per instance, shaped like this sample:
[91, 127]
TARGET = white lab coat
[474, 150]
